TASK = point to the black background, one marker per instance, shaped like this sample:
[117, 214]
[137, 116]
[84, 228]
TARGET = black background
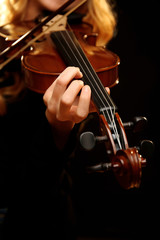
[104, 208]
[112, 212]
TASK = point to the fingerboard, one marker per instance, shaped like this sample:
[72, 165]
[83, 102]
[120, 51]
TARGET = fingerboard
[73, 55]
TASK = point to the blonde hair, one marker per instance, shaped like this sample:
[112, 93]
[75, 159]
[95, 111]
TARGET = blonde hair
[12, 11]
[99, 14]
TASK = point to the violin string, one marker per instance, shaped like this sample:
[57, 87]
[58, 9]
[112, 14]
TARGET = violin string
[111, 118]
[98, 85]
[115, 129]
[89, 70]
[80, 64]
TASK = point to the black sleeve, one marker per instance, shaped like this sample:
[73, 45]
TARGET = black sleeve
[33, 178]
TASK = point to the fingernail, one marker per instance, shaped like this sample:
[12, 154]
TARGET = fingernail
[81, 82]
[87, 88]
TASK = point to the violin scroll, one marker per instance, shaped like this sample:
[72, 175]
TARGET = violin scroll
[127, 167]
[127, 162]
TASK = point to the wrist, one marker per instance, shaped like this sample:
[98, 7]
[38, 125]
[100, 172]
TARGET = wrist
[61, 131]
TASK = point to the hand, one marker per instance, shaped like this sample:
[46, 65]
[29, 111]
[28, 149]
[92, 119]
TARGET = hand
[62, 100]
[65, 106]
[68, 101]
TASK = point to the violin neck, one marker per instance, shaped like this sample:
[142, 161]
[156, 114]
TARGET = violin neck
[73, 55]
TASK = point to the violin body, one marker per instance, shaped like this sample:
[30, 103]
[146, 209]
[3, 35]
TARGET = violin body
[43, 64]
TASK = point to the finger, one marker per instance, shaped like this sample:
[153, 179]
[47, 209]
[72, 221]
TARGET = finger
[60, 84]
[108, 90]
[64, 79]
[84, 103]
[48, 93]
[69, 97]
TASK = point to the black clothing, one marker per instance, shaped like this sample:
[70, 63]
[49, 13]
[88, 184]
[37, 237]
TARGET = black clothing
[34, 182]
[32, 173]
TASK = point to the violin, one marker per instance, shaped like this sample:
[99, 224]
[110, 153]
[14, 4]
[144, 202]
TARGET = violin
[100, 68]
[39, 76]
